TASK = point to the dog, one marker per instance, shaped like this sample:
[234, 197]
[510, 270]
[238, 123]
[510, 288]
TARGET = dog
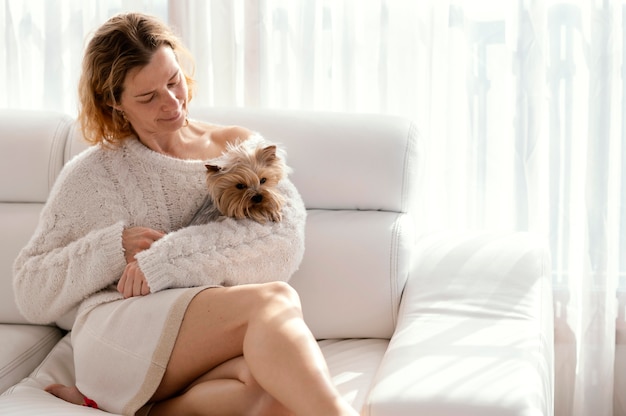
[242, 184]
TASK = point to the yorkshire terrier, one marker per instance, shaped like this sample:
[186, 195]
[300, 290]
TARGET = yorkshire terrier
[242, 184]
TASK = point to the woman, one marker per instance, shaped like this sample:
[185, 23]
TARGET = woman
[154, 330]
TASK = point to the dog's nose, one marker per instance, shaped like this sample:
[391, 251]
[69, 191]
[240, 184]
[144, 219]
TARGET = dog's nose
[257, 198]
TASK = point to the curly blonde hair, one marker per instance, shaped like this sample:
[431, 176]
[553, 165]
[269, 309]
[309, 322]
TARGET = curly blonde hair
[124, 42]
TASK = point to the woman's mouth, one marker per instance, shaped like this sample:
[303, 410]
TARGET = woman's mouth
[175, 117]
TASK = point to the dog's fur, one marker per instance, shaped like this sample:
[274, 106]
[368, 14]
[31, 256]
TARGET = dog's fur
[242, 184]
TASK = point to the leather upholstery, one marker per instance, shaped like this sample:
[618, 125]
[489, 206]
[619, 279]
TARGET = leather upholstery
[32, 150]
[478, 330]
[457, 324]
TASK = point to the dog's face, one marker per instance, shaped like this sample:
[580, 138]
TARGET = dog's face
[243, 185]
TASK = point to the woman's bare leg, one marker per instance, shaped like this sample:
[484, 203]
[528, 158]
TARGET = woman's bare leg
[228, 389]
[68, 393]
[264, 324]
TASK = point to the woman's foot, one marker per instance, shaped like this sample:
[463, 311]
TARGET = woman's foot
[70, 394]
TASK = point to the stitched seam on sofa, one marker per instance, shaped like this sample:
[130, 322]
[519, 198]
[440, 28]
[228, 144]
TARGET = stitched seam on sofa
[59, 344]
[405, 201]
[393, 268]
[28, 354]
[58, 141]
[70, 143]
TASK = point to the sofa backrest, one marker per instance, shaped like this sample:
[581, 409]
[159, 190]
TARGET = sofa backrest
[358, 176]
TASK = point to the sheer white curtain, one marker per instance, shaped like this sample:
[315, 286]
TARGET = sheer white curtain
[41, 45]
[523, 102]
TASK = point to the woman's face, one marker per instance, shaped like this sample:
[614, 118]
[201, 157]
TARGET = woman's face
[154, 99]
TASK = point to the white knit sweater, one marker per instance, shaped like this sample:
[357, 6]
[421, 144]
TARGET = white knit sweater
[75, 256]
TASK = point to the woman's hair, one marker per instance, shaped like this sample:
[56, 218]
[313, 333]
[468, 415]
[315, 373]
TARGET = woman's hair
[124, 42]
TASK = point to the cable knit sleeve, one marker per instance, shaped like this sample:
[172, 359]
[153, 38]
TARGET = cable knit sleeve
[74, 252]
[229, 252]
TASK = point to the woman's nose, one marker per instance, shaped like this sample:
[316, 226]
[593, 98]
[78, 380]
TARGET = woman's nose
[170, 100]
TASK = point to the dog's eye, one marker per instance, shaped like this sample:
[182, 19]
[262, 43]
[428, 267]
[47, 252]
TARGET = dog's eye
[263, 180]
[241, 186]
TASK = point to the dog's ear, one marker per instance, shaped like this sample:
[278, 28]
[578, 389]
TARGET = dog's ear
[268, 153]
[213, 168]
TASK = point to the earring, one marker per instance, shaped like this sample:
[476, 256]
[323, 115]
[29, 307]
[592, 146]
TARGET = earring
[186, 123]
[117, 114]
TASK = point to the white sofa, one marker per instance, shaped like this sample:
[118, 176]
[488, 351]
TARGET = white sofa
[442, 324]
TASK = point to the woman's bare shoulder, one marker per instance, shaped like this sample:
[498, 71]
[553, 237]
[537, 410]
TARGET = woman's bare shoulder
[230, 134]
[225, 134]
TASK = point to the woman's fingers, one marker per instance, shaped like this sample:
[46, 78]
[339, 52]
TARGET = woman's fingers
[137, 239]
[133, 282]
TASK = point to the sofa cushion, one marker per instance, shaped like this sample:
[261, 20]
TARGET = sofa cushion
[36, 142]
[23, 347]
[355, 266]
[353, 365]
[475, 335]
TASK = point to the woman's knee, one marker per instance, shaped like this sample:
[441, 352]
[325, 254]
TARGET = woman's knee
[278, 295]
[282, 290]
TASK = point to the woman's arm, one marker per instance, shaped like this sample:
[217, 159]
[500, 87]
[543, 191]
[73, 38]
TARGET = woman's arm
[229, 252]
[74, 252]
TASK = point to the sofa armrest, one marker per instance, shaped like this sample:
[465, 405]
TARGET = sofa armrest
[22, 349]
[475, 331]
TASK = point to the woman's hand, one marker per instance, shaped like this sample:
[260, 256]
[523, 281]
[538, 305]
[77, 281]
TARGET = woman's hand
[137, 239]
[133, 282]
[134, 240]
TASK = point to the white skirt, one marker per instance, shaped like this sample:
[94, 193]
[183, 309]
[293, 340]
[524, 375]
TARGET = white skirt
[121, 348]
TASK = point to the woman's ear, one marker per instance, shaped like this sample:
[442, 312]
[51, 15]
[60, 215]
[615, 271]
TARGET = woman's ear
[115, 105]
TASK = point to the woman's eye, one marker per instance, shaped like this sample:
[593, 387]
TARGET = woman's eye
[241, 186]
